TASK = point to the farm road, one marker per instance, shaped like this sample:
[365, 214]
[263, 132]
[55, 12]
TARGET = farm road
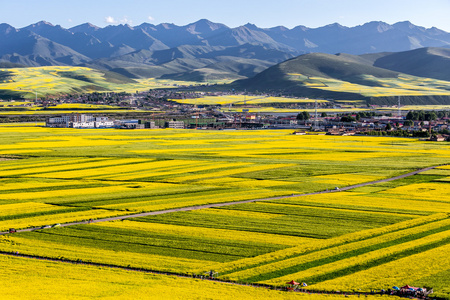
[189, 208]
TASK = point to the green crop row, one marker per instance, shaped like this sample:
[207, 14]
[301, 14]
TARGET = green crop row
[288, 220]
[172, 192]
[57, 210]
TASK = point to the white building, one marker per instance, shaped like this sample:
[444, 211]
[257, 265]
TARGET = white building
[103, 124]
[175, 124]
[62, 121]
[82, 124]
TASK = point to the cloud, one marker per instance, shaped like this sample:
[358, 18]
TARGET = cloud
[124, 20]
[110, 20]
[150, 18]
[70, 20]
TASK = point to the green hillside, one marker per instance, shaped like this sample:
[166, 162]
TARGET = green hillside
[346, 77]
[424, 62]
[16, 83]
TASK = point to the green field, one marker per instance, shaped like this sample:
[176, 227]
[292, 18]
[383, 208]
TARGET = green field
[371, 237]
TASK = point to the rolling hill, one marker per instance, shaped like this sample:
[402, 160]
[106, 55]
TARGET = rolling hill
[345, 76]
[424, 62]
[60, 80]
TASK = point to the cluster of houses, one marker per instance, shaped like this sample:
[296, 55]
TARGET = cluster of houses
[435, 130]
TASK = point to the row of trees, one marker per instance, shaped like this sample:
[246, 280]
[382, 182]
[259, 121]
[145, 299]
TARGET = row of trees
[304, 116]
[411, 116]
[421, 116]
[427, 115]
[398, 133]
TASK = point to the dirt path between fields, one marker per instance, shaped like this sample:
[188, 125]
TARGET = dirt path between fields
[189, 208]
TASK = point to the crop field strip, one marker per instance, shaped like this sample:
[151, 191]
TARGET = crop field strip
[105, 171]
[164, 244]
[318, 245]
[321, 261]
[427, 268]
[207, 232]
[362, 262]
[315, 223]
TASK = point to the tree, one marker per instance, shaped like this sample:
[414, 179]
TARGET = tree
[303, 116]
[388, 126]
[409, 115]
[324, 115]
[408, 123]
[347, 119]
[431, 116]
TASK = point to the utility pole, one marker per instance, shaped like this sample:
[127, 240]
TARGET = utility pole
[315, 117]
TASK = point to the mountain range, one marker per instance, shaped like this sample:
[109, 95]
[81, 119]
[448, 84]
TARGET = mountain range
[204, 50]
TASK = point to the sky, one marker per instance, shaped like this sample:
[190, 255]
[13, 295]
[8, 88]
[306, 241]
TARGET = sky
[233, 13]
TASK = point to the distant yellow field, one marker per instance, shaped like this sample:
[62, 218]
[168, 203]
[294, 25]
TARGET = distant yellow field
[405, 85]
[243, 99]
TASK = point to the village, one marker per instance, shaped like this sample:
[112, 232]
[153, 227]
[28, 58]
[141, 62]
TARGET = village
[159, 110]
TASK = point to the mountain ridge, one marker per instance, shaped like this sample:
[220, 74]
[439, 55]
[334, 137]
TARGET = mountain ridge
[170, 50]
[97, 42]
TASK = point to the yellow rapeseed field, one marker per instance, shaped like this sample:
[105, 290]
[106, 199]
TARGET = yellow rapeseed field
[396, 273]
[359, 259]
[225, 234]
[321, 244]
[55, 175]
